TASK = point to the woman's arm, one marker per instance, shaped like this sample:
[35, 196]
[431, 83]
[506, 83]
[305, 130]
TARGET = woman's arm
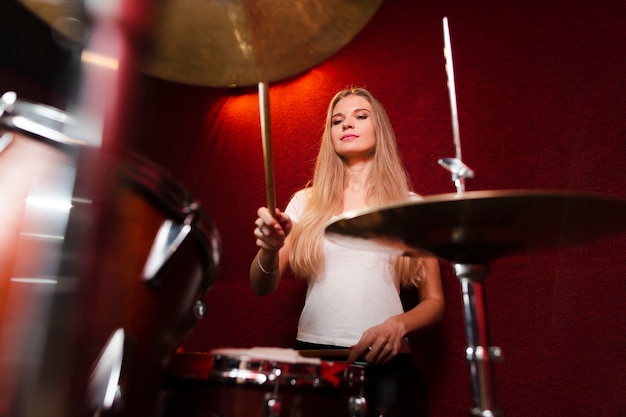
[270, 262]
[431, 305]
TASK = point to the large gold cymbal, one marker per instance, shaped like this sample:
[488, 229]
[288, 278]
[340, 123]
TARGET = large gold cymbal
[49, 12]
[220, 43]
[480, 226]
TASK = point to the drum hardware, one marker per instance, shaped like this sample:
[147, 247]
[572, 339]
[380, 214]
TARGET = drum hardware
[460, 172]
[103, 384]
[357, 404]
[199, 310]
[470, 231]
[6, 105]
[7, 100]
[168, 239]
[43, 122]
[479, 354]
[186, 222]
[273, 405]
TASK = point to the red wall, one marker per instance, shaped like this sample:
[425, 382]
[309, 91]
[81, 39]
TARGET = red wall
[540, 89]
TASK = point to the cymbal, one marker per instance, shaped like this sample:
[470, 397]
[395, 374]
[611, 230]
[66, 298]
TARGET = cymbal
[479, 226]
[223, 43]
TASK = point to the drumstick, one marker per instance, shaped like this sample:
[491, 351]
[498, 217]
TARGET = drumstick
[266, 135]
[325, 353]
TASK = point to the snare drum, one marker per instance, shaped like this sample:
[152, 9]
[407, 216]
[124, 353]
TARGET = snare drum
[94, 249]
[263, 382]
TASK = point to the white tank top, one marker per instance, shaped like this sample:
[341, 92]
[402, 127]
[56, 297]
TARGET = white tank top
[355, 291]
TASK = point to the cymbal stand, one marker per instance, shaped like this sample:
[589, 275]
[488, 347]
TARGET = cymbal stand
[459, 170]
[478, 353]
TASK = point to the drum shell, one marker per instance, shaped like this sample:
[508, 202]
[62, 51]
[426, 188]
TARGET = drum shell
[158, 312]
[198, 385]
[31, 251]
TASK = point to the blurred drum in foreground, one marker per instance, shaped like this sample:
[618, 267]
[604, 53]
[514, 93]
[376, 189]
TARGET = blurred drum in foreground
[104, 265]
[263, 382]
[37, 177]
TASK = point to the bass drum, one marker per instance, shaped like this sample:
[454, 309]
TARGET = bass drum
[104, 265]
[263, 382]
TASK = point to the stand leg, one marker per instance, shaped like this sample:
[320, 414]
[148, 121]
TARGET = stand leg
[479, 354]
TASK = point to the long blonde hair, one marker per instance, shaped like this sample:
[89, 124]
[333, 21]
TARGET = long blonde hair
[388, 182]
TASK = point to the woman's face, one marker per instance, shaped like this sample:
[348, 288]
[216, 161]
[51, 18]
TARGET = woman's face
[352, 128]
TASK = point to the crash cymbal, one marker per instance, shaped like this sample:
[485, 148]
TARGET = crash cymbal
[47, 11]
[480, 226]
[65, 16]
[222, 43]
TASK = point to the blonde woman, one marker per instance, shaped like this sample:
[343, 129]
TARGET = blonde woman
[353, 300]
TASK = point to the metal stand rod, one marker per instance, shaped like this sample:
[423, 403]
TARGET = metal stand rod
[479, 354]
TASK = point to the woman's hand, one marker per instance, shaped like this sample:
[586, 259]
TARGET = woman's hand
[271, 231]
[379, 344]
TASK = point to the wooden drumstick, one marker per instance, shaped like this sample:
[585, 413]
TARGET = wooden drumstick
[266, 135]
[325, 353]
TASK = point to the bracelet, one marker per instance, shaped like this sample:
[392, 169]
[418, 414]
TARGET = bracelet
[258, 261]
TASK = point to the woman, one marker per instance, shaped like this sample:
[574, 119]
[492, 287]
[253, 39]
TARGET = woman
[353, 299]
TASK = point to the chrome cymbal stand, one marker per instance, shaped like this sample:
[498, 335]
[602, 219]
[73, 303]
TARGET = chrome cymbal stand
[478, 353]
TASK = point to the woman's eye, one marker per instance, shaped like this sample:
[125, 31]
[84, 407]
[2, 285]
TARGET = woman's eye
[336, 122]
[362, 116]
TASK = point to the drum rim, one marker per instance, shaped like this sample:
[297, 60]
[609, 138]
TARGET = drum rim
[151, 181]
[248, 369]
[40, 121]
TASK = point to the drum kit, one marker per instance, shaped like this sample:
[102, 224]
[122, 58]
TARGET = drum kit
[103, 273]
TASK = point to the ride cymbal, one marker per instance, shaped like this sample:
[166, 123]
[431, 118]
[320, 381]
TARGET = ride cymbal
[480, 226]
